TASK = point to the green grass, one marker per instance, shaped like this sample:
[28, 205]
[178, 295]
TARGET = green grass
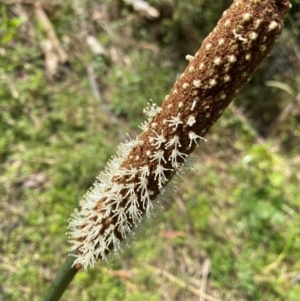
[239, 208]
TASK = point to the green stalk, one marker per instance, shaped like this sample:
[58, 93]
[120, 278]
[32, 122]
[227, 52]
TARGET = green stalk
[61, 281]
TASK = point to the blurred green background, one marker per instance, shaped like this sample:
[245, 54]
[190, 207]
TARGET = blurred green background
[74, 78]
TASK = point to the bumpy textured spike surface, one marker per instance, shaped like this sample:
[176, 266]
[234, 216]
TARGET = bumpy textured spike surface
[138, 176]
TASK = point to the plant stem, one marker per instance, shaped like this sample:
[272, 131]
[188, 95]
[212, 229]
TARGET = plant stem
[63, 278]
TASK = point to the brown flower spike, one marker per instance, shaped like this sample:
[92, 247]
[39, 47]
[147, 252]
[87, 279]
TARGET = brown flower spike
[135, 180]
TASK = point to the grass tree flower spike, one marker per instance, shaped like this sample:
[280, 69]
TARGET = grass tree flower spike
[136, 178]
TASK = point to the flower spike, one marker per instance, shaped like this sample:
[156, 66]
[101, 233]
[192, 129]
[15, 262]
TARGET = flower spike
[146, 167]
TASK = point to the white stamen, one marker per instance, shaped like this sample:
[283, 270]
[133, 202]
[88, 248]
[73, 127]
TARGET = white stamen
[191, 121]
[197, 83]
[253, 36]
[193, 105]
[193, 137]
[158, 140]
[175, 121]
[185, 85]
[189, 57]
[238, 36]
[158, 156]
[273, 25]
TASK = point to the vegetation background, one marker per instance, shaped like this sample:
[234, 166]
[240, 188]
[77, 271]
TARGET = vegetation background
[74, 78]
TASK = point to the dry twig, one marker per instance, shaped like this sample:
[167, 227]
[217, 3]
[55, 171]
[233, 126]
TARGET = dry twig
[47, 25]
[205, 273]
[144, 8]
[182, 284]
